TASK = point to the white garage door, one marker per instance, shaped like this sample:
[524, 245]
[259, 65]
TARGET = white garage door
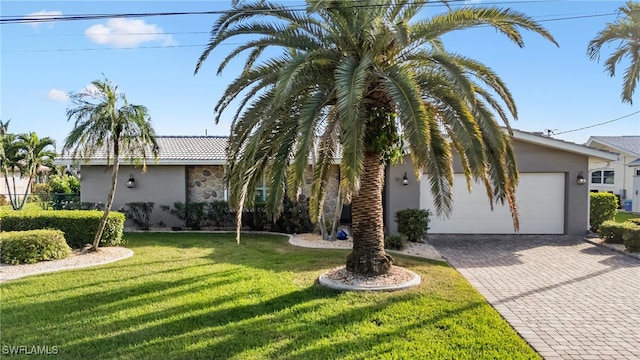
[540, 200]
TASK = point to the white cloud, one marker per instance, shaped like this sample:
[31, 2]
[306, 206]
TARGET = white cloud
[89, 90]
[120, 33]
[57, 95]
[43, 14]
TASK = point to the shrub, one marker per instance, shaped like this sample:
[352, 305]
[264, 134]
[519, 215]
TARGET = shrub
[79, 227]
[611, 232]
[43, 191]
[139, 213]
[256, 219]
[294, 218]
[604, 206]
[3, 200]
[193, 214]
[28, 247]
[631, 238]
[217, 213]
[64, 184]
[413, 223]
[394, 242]
[634, 221]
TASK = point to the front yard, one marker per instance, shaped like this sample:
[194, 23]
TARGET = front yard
[202, 296]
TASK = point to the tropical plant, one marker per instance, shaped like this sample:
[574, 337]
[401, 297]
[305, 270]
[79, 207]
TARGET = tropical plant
[625, 31]
[105, 121]
[363, 82]
[24, 154]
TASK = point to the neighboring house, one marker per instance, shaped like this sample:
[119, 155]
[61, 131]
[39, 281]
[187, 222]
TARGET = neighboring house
[616, 176]
[549, 198]
[18, 184]
[191, 168]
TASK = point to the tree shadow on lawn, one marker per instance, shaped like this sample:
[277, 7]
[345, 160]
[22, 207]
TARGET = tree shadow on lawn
[222, 305]
[300, 324]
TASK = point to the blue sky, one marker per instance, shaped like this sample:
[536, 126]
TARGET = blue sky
[152, 60]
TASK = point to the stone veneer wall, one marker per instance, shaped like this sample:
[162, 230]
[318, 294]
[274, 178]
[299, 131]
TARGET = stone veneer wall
[205, 183]
[331, 199]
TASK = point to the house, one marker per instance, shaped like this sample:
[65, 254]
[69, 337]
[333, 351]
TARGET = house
[17, 184]
[191, 168]
[188, 169]
[550, 198]
[616, 176]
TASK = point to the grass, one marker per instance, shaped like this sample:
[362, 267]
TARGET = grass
[624, 216]
[202, 296]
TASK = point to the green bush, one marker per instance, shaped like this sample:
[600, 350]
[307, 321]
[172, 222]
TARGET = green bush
[631, 238]
[45, 198]
[394, 242]
[79, 227]
[634, 221]
[140, 213]
[295, 218]
[413, 223]
[217, 213]
[193, 214]
[65, 184]
[611, 232]
[28, 247]
[604, 206]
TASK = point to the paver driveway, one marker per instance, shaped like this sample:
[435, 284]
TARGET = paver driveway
[568, 298]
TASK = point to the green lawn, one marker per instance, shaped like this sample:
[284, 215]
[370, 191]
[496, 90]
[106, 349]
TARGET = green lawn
[202, 296]
[624, 216]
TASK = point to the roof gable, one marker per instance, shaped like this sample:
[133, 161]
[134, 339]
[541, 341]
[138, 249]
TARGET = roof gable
[628, 145]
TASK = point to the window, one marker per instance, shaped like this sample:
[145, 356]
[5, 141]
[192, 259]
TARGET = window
[604, 177]
[637, 172]
[261, 191]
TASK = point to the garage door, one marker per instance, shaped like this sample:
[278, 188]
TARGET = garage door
[540, 200]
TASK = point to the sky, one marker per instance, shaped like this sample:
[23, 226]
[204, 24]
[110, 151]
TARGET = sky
[558, 90]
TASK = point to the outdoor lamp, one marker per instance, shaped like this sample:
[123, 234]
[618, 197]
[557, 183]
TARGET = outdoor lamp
[581, 179]
[405, 179]
[132, 182]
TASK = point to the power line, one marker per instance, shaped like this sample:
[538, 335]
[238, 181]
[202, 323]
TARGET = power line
[602, 123]
[15, 19]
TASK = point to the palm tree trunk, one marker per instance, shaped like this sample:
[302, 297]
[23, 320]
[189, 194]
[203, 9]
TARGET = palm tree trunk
[110, 197]
[368, 256]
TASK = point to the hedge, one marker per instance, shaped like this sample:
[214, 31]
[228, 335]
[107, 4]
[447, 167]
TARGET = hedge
[603, 207]
[631, 238]
[79, 226]
[28, 247]
[611, 232]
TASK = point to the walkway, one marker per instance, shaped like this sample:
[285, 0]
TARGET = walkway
[567, 298]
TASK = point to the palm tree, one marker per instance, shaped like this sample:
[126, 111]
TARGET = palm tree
[32, 153]
[626, 32]
[104, 119]
[23, 153]
[366, 79]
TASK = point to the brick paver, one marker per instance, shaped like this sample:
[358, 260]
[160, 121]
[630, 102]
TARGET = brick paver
[567, 298]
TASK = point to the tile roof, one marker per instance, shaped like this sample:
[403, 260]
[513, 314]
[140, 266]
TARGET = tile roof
[179, 149]
[630, 144]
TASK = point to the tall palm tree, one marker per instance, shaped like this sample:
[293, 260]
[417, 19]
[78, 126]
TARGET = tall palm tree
[104, 119]
[625, 31]
[365, 79]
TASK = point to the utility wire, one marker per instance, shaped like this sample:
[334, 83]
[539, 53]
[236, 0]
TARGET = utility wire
[591, 126]
[13, 19]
